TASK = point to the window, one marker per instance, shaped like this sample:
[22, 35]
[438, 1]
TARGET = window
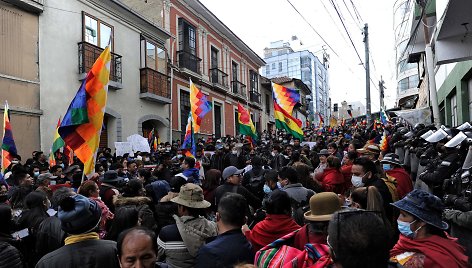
[407, 83]
[405, 66]
[187, 40]
[154, 56]
[236, 123]
[453, 110]
[97, 32]
[267, 68]
[217, 120]
[280, 66]
[214, 57]
[273, 66]
[184, 110]
[254, 83]
[234, 70]
[267, 103]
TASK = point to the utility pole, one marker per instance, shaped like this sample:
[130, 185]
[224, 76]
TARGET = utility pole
[382, 93]
[367, 73]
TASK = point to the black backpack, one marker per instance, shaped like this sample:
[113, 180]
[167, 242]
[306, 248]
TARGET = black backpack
[256, 183]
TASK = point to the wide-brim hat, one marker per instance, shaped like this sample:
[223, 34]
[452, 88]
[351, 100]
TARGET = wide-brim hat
[191, 195]
[425, 206]
[111, 176]
[392, 159]
[369, 149]
[71, 169]
[323, 206]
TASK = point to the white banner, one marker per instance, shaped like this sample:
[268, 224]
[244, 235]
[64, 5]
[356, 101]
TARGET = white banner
[412, 117]
[139, 143]
[123, 148]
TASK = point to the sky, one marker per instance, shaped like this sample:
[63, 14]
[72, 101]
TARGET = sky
[259, 22]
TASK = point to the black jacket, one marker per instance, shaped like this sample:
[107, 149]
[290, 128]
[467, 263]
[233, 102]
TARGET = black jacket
[251, 199]
[385, 193]
[10, 256]
[444, 170]
[84, 254]
[49, 236]
[226, 250]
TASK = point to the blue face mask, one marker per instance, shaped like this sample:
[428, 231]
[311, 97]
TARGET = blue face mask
[404, 228]
[266, 189]
[386, 167]
[36, 173]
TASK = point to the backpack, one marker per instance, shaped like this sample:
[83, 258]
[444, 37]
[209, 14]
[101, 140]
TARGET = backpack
[256, 183]
[391, 183]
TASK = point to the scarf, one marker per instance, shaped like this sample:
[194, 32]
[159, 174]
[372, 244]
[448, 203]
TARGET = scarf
[272, 227]
[81, 237]
[439, 252]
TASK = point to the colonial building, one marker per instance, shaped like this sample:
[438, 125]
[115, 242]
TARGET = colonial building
[205, 50]
[73, 33]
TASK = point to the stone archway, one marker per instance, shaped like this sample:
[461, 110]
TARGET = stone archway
[152, 121]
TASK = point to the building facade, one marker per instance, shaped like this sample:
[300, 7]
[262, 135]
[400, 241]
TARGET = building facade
[283, 61]
[19, 71]
[406, 72]
[205, 50]
[139, 89]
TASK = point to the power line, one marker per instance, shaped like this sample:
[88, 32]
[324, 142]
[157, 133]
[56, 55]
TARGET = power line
[358, 15]
[352, 17]
[335, 53]
[347, 32]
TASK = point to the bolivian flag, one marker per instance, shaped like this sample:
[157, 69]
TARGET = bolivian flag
[285, 121]
[246, 126]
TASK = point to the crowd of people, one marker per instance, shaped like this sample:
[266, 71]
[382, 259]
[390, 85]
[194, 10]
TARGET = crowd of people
[334, 199]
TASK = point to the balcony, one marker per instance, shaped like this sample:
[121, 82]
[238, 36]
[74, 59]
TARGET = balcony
[239, 89]
[219, 79]
[88, 53]
[155, 86]
[189, 63]
[255, 96]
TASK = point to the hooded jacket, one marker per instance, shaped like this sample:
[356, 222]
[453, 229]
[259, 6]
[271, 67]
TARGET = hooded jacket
[178, 244]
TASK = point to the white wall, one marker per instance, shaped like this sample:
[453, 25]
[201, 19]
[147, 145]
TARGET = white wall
[60, 32]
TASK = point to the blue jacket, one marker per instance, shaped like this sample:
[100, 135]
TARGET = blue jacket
[226, 250]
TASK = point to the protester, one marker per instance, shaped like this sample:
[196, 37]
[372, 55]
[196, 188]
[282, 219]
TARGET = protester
[358, 239]
[331, 180]
[108, 188]
[423, 242]
[230, 247]
[137, 247]
[322, 155]
[393, 168]
[125, 217]
[232, 184]
[277, 223]
[322, 207]
[90, 190]
[179, 243]
[80, 218]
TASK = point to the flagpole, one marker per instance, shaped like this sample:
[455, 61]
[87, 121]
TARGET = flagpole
[5, 113]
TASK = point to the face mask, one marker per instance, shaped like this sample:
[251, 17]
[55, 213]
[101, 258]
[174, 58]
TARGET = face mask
[36, 173]
[357, 181]
[266, 189]
[167, 149]
[179, 156]
[234, 152]
[62, 165]
[386, 167]
[404, 228]
[15, 162]
[273, 154]
[279, 185]
[146, 159]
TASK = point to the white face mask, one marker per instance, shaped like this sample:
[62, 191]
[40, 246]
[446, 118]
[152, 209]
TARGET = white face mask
[234, 152]
[357, 181]
[273, 154]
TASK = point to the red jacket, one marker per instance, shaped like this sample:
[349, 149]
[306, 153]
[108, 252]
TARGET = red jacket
[332, 181]
[346, 170]
[273, 227]
[404, 183]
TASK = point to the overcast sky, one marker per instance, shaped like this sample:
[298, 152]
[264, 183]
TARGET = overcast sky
[258, 22]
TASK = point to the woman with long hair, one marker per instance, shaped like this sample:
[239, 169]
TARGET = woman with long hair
[332, 180]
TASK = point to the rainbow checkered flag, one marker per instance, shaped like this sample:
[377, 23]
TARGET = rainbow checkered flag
[81, 127]
[8, 143]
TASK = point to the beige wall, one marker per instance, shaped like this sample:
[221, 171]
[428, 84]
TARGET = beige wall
[19, 82]
[150, 9]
